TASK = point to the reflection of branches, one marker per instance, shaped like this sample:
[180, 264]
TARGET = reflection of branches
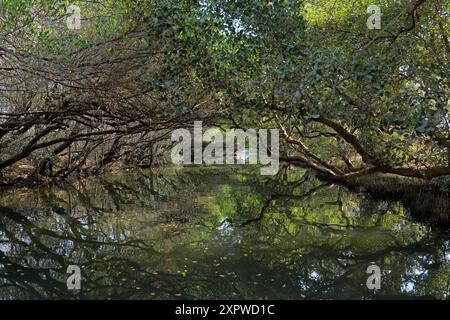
[118, 259]
[34, 241]
[261, 214]
[330, 269]
[27, 224]
[268, 202]
[37, 254]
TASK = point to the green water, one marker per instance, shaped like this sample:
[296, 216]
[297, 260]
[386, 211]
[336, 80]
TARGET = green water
[214, 233]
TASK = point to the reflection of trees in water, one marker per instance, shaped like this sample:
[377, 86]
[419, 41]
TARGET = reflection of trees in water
[77, 226]
[35, 257]
[337, 235]
[329, 263]
[138, 236]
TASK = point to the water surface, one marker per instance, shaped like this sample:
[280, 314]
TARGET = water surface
[215, 233]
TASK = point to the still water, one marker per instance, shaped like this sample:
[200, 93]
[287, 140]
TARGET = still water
[214, 233]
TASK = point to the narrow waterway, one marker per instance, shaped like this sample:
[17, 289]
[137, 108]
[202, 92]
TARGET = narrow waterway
[215, 233]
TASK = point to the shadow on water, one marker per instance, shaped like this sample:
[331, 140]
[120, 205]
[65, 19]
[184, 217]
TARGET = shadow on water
[215, 233]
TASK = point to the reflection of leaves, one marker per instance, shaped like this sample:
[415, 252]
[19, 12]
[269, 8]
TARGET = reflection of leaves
[297, 238]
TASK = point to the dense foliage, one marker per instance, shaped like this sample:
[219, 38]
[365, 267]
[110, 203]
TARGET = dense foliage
[349, 100]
